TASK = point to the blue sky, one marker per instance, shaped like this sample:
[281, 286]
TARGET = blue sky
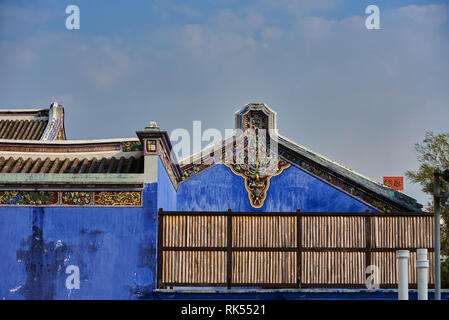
[361, 97]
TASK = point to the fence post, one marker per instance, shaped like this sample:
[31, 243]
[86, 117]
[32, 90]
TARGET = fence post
[402, 256]
[298, 248]
[229, 250]
[422, 264]
[367, 239]
[159, 248]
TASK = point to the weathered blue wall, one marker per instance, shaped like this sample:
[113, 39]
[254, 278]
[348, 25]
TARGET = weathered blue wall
[219, 189]
[165, 190]
[15, 229]
[114, 248]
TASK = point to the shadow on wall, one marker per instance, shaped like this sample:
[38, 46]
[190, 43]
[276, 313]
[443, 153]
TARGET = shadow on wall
[46, 262]
[42, 261]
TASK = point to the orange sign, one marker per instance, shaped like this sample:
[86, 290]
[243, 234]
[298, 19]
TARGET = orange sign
[395, 183]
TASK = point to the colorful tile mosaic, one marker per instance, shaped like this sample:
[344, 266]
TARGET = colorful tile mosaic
[122, 198]
[130, 146]
[28, 198]
[248, 115]
[257, 166]
[255, 119]
[395, 183]
[71, 198]
[256, 183]
[193, 170]
[151, 146]
[76, 198]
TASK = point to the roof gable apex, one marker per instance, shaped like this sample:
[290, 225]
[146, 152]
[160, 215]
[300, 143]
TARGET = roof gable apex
[354, 184]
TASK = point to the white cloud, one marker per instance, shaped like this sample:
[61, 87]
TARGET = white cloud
[107, 65]
[272, 33]
[316, 28]
[430, 14]
[13, 16]
[245, 23]
[186, 10]
[302, 8]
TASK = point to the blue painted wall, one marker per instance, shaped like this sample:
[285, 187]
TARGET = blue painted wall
[114, 248]
[218, 188]
[165, 190]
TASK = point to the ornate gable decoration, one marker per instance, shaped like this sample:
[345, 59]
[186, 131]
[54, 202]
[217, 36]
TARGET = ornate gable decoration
[256, 181]
[255, 157]
[255, 115]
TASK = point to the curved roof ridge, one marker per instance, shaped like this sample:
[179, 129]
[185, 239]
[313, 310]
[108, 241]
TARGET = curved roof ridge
[18, 110]
[81, 141]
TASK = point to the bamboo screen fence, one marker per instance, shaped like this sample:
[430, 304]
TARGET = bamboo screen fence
[288, 250]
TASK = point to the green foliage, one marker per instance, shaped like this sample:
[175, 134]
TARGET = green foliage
[433, 153]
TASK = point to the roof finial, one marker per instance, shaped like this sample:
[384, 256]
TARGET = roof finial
[152, 127]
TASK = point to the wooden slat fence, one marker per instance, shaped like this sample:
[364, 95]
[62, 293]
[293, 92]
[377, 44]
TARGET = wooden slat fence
[288, 250]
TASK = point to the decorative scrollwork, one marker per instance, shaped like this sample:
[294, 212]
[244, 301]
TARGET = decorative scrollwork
[118, 198]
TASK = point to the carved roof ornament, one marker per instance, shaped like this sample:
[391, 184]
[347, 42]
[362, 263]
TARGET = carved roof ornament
[55, 128]
[256, 156]
[255, 115]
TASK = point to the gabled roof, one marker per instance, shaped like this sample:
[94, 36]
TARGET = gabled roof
[71, 156]
[33, 124]
[353, 183]
[33, 141]
[350, 175]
